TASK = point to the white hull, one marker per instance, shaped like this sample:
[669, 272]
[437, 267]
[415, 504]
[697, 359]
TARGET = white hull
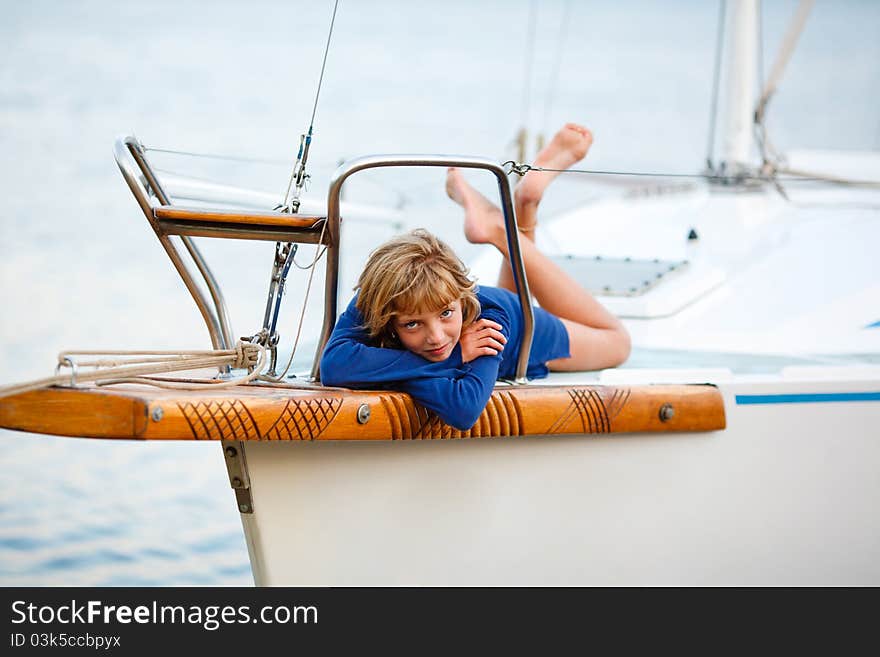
[784, 496]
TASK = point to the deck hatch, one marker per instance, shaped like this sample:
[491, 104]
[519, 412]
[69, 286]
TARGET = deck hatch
[619, 277]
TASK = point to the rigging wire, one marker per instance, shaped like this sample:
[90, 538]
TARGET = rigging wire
[759, 29]
[319, 252]
[519, 141]
[201, 179]
[291, 204]
[522, 169]
[298, 174]
[323, 64]
[530, 58]
[557, 65]
[218, 156]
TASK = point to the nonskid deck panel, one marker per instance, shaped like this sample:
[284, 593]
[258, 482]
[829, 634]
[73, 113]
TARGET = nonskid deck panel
[316, 413]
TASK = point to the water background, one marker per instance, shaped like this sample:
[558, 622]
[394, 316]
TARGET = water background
[80, 267]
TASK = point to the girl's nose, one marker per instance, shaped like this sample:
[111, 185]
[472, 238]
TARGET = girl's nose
[435, 334]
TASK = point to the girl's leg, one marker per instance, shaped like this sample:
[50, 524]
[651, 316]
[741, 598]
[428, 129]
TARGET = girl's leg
[597, 338]
[568, 147]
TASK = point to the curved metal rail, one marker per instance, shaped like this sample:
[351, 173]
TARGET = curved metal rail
[129, 154]
[150, 195]
[463, 162]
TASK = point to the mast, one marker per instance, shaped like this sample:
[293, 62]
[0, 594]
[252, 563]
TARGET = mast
[739, 88]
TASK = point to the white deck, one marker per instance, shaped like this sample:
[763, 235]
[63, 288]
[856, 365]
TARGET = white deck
[799, 278]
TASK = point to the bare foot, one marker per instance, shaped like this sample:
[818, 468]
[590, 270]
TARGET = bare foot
[567, 147]
[482, 219]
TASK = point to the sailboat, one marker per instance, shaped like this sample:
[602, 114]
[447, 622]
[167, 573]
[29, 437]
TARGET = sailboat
[752, 459]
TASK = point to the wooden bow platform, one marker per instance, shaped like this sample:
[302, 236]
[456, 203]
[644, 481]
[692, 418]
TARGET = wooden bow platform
[265, 412]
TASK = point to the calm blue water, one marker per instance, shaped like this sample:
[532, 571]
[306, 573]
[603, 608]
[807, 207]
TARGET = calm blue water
[81, 269]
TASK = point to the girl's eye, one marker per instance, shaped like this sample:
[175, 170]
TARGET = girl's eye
[410, 325]
[446, 313]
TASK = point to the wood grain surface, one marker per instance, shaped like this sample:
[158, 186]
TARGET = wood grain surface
[281, 219]
[257, 412]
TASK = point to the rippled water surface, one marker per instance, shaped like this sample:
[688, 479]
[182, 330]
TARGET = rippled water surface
[80, 267]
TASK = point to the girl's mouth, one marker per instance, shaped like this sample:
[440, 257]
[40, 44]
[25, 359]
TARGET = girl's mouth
[437, 352]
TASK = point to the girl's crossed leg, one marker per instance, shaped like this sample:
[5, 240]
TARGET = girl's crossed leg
[597, 339]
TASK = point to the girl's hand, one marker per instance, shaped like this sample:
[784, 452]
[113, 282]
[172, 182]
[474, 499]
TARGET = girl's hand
[482, 338]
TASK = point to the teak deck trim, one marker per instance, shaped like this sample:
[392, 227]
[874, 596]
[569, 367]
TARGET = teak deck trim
[239, 224]
[248, 218]
[264, 413]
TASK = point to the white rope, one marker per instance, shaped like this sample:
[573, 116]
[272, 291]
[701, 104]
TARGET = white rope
[139, 363]
[132, 366]
[769, 157]
[812, 176]
[791, 37]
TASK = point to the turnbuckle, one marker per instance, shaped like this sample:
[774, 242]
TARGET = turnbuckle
[299, 177]
[268, 335]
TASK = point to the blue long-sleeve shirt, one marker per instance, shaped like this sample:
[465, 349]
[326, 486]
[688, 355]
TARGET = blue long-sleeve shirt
[456, 391]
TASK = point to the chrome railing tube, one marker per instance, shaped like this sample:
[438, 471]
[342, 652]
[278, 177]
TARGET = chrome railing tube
[463, 162]
[220, 308]
[125, 151]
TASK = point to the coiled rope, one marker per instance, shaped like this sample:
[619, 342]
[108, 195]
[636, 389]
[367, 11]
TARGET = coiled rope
[123, 366]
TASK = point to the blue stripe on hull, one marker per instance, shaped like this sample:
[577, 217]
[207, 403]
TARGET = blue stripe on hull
[809, 398]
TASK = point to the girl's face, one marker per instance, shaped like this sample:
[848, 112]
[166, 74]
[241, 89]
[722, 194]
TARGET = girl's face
[431, 335]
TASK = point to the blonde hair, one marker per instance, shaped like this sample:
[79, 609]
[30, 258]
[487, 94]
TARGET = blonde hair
[414, 272]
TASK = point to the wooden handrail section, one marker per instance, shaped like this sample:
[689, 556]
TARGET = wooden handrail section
[239, 224]
[315, 413]
[249, 218]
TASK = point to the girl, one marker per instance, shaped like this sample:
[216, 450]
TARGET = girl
[418, 324]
